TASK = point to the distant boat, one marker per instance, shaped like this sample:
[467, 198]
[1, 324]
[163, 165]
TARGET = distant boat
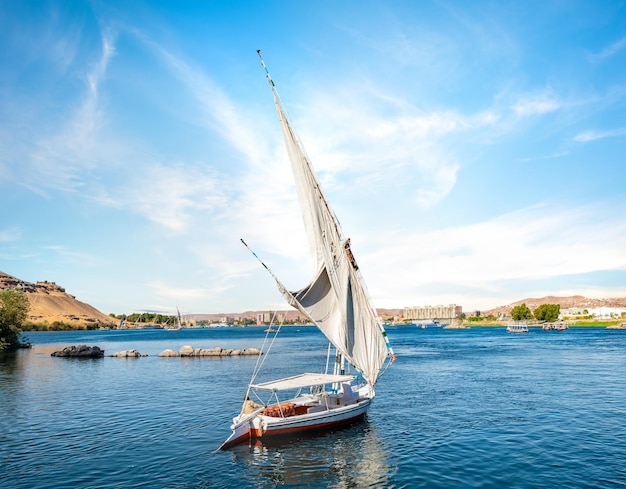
[151, 326]
[336, 301]
[517, 327]
[428, 322]
[179, 322]
[558, 326]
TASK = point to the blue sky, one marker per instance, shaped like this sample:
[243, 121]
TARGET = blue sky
[474, 152]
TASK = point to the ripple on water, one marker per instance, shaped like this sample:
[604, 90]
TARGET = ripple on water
[459, 409]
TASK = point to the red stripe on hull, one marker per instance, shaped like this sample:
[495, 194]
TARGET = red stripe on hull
[290, 425]
[279, 432]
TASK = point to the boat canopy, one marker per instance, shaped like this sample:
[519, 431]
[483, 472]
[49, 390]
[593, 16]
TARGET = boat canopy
[303, 380]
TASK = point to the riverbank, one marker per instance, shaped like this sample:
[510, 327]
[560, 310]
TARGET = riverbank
[610, 324]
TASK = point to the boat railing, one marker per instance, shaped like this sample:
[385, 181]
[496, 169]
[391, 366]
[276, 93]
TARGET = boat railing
[555, 326]
[517, 327]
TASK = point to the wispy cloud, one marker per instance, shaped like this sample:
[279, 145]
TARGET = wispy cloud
[536, 105]
[177, 294]
[587, 136]
[58, 161]
[220, 114]
[172, 193]
[75, 257]
[351, 139]
[551, 156]
[610, 50]
[10, 234]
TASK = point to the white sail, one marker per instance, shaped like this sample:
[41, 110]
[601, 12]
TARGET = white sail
[336, 299]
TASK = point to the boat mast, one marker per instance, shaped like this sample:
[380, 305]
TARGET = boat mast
[284, 114]
[335, 268]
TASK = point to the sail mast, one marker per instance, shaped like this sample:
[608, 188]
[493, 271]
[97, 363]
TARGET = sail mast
[336, 299]
[297, 152]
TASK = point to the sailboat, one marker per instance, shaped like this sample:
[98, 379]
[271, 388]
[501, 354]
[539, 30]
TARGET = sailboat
[337, 302]
[179, 322]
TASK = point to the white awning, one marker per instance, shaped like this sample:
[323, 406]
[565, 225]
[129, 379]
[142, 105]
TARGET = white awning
[303, 380]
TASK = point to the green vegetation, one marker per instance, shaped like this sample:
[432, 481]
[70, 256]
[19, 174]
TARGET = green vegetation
[489, 320]
[592, 324]
[476, 319]
[547, 312]
[521, 313]
[57, 326]
[146, 317]
[14, 307]
[543, 313]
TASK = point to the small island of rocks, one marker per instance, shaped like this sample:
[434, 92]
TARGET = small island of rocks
[190, 351]
[80, 351]
[84, 351]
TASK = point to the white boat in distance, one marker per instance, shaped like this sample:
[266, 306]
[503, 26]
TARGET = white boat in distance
[336, 301]
[517, 327]
[179, 322]
[557, 326]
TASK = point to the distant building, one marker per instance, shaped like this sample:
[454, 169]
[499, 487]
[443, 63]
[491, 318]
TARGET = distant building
[596, 312]
[451, 311]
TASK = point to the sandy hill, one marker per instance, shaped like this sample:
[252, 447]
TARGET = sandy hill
[50, 303]
[574, 301]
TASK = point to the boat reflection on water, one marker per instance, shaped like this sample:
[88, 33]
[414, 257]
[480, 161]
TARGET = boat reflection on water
[353, 456]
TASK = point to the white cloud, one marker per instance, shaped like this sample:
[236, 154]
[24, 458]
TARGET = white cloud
[177, 294]
[354, 143]
[587, 136]
[58, 160]
[536, 105]
[610, 50]
[536, 243]
[220, 114]
[169, 195]
[10, 234]
[81, 258]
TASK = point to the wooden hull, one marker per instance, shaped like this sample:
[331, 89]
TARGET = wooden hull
[257, 427]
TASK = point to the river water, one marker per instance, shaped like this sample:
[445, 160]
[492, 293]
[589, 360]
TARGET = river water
[474, 408]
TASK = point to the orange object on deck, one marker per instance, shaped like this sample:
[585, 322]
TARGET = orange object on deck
[282, 410]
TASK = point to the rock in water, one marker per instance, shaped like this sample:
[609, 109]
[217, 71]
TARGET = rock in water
[169, 353]
[129, 354]
[80, 351]
[190, 351]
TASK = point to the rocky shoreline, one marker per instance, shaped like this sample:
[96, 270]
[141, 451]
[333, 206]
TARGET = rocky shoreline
[190, 351]
[617, 326]
[84, 351]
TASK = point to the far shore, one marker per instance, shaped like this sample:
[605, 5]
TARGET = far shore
[615, 324]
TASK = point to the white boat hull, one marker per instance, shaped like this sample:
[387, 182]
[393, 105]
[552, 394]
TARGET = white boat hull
[257, 426]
